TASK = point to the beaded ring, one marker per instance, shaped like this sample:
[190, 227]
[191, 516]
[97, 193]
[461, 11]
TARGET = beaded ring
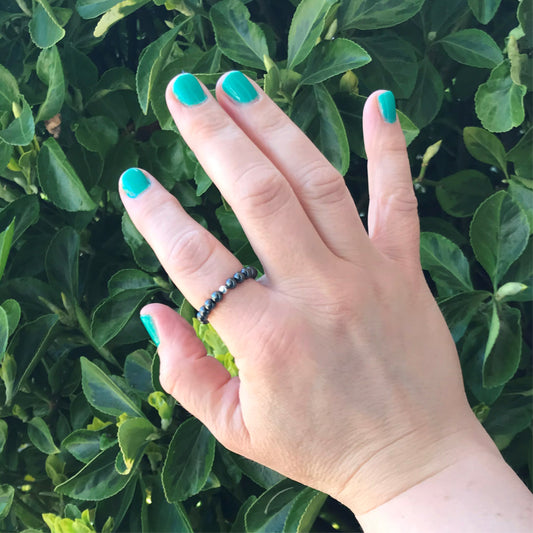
[248, 272]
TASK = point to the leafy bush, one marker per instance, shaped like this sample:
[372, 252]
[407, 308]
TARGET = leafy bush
[88, 439]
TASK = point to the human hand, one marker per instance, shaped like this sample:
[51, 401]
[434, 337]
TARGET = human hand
[349, 380]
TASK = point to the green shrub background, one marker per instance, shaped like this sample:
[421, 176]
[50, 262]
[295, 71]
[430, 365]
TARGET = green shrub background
[88, 439]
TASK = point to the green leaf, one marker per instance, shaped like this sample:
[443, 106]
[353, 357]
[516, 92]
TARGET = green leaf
[262, 475]
[13, 312]
[142, 253]
[130, 279]
[104, 394]
[499, 101]
[304, 511]
[3, 434]
[270, 511]
[29, 344]
[22, 130]
[484, 10]
[189, 460]
[45, 29]
[504, 346]
[137, 371]
[499, 234]
[202, 180]
[59, 181]
[25, 211]
[522, 155]
[113, 313]
[112, 80]
[160, 515]
[524, 198]
[61, 261]
[97, 134]
[237, 37]
[306, 26]
[133, 437]
[7, 493]
[459, 310]
[375, 14]
[151, 62]
[40, 436]
[83, 444]
[426, 99]
[89, 9]
[461, 193]
[6, 240]
[9, 89]
[522, 271]
[396, 72]
[446, 263]
[472, 47]
[97, 480]
[331, 137]
[330, 58]
[510, 414]
[4, 332]
[50, 72]
[485, 147]
[117, 13]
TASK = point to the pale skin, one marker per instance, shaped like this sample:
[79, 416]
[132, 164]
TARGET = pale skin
[349, 379]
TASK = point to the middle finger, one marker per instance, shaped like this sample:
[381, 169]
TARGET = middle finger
[261, 197]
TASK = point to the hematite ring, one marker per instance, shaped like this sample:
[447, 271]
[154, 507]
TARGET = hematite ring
[237, 278]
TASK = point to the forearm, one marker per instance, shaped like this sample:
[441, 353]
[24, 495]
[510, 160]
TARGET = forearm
[480, 493]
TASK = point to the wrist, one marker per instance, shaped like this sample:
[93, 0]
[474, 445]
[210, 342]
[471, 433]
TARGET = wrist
[410, 461]
[477, 494]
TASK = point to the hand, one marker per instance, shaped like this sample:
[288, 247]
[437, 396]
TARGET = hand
[349, 379]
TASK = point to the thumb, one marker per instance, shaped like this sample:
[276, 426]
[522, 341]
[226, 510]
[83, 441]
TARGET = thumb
[196, 380]
[393, 223]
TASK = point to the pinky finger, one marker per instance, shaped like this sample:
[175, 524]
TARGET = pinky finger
[196, 380]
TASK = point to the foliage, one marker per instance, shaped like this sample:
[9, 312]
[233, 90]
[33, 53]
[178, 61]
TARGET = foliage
[88, 439]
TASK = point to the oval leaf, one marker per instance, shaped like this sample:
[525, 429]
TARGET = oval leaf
[375, 14]
[22, 130]
[306, 26]
[500, 101]
[61, 261]
[50, 72]
[460, 194]
[485, 147]
[330, 58]
[499, 234]
[40, 436]
[446, 263]
[133, 437]
[189, 461]
[237, 37]
[83, 444]
[97, 480]
[59, 180]
[473, 47]
[104, 394]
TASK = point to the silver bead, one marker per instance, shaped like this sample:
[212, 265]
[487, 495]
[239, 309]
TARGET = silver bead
[223, 289]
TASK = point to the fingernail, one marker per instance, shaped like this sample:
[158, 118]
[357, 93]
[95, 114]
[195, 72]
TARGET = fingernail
[134, 182]
[237, 86]
[387, 106]
[187, 90]
[150, 328]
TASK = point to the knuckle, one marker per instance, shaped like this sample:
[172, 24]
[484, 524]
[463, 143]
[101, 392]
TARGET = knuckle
[262, 190]
[322, 183]
[190, 250]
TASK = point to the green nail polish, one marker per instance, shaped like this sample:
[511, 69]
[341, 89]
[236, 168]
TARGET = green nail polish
[134, 182]
[387, 106]
[237, 86]
[187, 90]
[150, 328]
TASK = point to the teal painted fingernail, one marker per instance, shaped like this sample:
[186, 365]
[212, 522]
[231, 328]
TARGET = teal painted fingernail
[187, 90]
[238, 87]
[150, 328]
[387, 106]
[134, 182]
